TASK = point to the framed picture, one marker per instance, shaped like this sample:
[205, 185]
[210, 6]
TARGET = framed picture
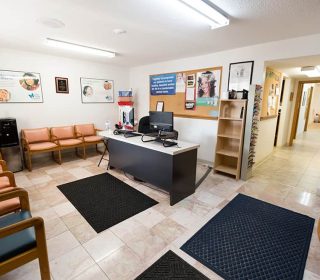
[208, 87]
[20, 87]
[62, 85]
[97, 90]
[160, 106]
[240, 75]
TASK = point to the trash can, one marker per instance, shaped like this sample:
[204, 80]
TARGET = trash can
[10, 145]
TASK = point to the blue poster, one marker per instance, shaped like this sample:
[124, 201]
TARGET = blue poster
[164, 84]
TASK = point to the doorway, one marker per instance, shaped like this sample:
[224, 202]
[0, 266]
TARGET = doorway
[303, 101]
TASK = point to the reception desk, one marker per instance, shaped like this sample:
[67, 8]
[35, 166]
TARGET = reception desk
[172, 169]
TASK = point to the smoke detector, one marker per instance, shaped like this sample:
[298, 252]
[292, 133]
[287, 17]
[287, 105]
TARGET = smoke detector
[119, 31]
[51, 22]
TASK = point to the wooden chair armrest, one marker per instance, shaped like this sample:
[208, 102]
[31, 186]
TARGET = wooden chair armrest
[79, 135]
[35, 222]
[3, 165]
[55, 140]
[96, 130]
[17, 192]
[10, 176]
[25, 143]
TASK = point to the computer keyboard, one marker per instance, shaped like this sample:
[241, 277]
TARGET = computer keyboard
[131, 134]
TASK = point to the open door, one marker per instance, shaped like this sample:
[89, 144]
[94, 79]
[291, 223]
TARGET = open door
[308, 109]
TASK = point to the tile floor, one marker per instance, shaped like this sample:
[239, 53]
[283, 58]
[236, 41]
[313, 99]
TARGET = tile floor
[289, 178]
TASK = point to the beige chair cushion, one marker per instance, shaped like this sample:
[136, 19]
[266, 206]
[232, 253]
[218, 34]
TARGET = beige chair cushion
[69, 142]
[36, 135]
[42, 146]
[9, 205]
[4, 183]
[63, 132]
[85, 129]
[89, 139]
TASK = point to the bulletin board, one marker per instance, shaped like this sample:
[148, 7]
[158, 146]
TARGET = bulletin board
[189, 94]
[271, 94]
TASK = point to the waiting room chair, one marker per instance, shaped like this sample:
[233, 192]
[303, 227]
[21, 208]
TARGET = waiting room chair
[7, 183]
[38, 140]
[67, 139]
[88, 133]
[22, 237]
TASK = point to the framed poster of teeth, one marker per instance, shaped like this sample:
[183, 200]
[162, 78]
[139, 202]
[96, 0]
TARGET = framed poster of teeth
[20, 87]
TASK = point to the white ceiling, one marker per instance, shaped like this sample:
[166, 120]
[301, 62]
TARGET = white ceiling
[292, 67]
[157, 30]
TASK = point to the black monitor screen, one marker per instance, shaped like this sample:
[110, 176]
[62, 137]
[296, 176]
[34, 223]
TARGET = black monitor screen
[161, 121]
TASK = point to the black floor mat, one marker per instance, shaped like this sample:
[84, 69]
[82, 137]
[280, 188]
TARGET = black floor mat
[171, 267]
[252, 239]
[104, 200]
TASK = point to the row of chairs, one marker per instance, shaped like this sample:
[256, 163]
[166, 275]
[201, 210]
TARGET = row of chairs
[22, 237]
[56, 139]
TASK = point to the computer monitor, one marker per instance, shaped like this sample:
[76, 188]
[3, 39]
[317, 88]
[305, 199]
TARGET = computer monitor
[161, 121]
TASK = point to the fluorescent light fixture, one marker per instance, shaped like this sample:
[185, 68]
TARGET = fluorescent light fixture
[311, 71]
[207, 9]
[79, 48]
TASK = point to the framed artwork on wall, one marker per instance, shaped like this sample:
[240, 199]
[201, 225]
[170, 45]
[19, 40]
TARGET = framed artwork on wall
[240, 75]
[97, 90]
[62, 85]
[20, 87]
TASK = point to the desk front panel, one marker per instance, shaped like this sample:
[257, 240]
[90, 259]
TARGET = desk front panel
[143, 163]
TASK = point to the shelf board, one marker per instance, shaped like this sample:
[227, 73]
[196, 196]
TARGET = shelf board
[233, 100]
[230, 119]
[229, 136]
[228, 153]
[226, 169]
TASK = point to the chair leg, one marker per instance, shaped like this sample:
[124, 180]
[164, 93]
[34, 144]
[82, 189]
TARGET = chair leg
[29, 162]
[97, 150]
[43, 254]
[84, 152]
[59, 157]
[44, 267]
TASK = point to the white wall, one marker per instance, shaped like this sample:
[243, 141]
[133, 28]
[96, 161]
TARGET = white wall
[203, 131]
[286, 111]
[61, 109]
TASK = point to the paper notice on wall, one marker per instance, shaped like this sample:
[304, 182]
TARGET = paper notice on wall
[190, 94]
[181, 82]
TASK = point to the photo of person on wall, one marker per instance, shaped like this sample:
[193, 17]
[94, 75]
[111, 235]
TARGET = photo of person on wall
[87, 91]
[206, 84]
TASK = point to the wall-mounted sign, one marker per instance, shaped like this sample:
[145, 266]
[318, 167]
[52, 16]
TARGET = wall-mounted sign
[164, 84]
[96, 90]
[20, 87]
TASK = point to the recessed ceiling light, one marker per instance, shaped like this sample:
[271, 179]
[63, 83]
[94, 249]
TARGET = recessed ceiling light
[51, 22]
[311, 71]
[79, 48]
[119, 31]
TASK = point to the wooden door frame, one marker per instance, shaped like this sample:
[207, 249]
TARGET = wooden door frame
[297, 108]
[307, 113]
